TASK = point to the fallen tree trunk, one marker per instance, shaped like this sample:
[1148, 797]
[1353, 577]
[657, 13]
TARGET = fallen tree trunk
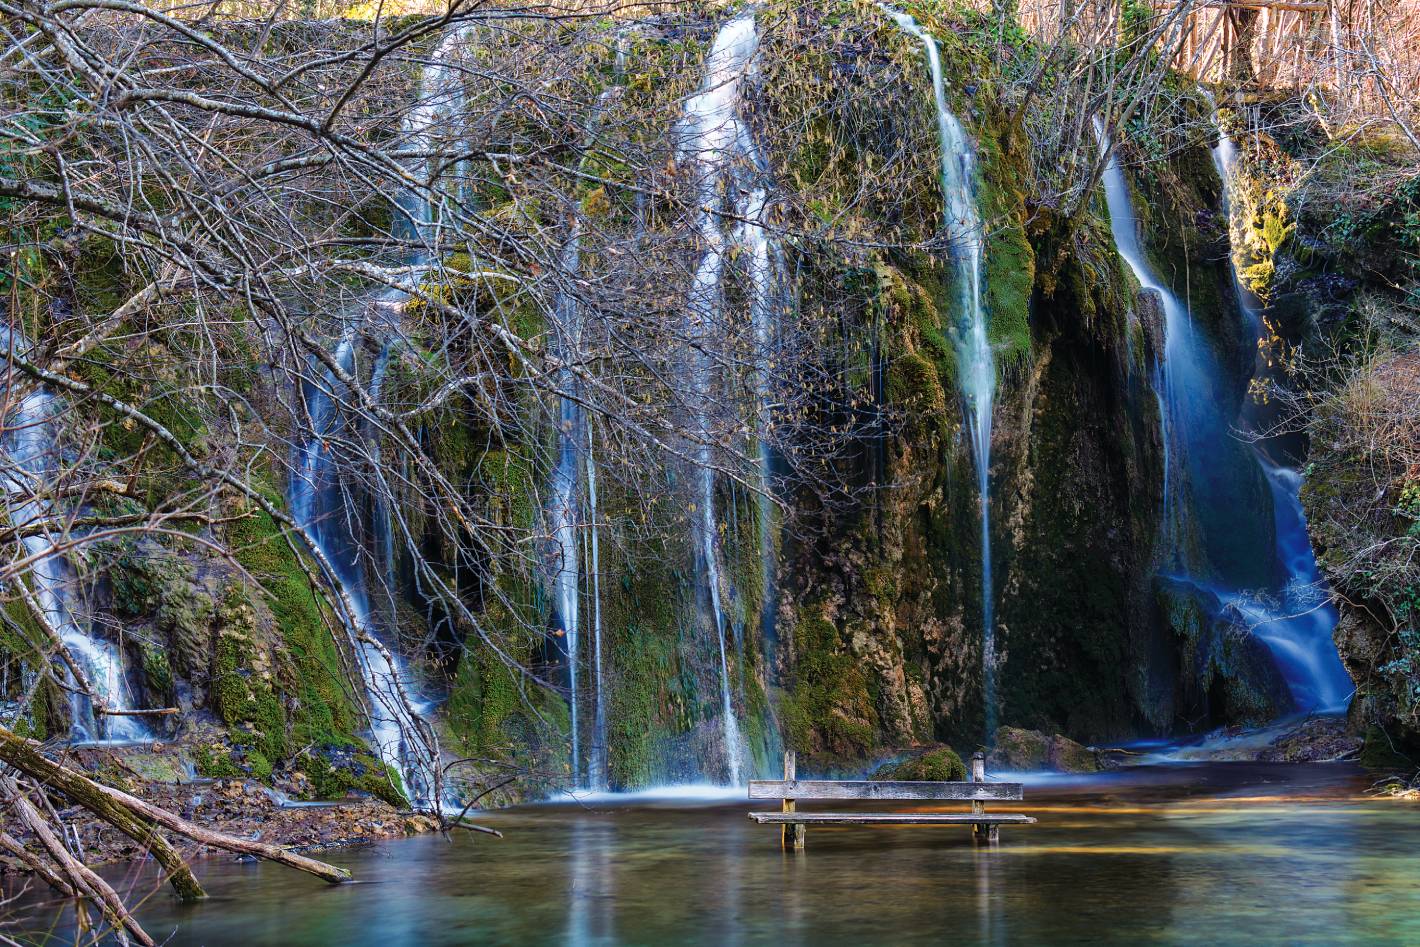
[81, 790]
[126, 812]
[81, 877]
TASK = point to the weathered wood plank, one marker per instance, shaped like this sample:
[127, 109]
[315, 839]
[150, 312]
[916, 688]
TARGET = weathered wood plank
[892, 818]
[793, 833]
[881, 789]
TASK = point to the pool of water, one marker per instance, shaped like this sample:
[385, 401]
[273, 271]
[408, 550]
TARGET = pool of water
[1184, 854]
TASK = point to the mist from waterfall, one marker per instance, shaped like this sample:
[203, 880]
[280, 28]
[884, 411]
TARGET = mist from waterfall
[976, 365]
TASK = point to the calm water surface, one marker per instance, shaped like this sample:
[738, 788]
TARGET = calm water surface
[1204, 854]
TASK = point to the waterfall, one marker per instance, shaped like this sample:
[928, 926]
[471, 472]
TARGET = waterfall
[574, 435]
[321, 507]
[320, 500]
[1298, 628]
[562, 494]
[1182, 374]
[765, 265]
[714, 137]
[976, 367]
[1208, 476]
[599, 746]
[31, 465]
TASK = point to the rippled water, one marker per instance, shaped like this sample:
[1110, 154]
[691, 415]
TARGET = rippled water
[1205, 854]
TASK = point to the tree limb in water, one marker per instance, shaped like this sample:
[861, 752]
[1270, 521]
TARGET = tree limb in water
[132, 815]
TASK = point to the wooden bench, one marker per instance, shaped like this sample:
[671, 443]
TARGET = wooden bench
[986, 826]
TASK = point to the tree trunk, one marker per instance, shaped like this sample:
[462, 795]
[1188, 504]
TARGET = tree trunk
[139, 820]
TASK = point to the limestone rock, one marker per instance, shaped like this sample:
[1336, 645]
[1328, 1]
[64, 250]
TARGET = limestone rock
[1024, 750]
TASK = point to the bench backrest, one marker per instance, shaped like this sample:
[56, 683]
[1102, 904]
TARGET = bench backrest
[881, 789]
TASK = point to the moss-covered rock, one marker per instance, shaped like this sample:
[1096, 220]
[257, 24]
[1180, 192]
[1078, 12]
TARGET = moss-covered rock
[939, 764]
[1019, 750]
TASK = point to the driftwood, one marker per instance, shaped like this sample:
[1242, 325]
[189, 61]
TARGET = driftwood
[22, 755]
[80, 876]
[140, 820]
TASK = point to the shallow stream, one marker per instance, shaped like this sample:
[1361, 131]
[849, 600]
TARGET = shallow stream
[1210, 853]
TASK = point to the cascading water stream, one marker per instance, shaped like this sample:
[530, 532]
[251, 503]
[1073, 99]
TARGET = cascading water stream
[1178, 374]
[1201, 479]
[1298, 630]
[562, 496]
[31, 450]
[714, 137]
[321, 508]
[574, 437]
[599, 746]
[977, 365]
[765, 266]
[320, 501]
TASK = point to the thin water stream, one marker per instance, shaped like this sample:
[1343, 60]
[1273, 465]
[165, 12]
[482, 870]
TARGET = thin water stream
[31, 450]
[1187, 854]
[976, 373]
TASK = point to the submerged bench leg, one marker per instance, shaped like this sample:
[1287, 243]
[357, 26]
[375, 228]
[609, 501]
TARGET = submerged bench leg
[984, 833]
[792, 834]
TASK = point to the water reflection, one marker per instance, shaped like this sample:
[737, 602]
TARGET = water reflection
[591, 884]
[1201, 854]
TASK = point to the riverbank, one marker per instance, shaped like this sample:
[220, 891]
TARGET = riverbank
[1185, 853]
[163, 774]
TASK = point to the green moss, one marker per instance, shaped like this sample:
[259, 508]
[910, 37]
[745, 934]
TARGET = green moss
[215, 762]
[310, 674]
[157, 672]
[1379, 751]
[336, 771]
[242, 687]
[939, 765]
[826, 709]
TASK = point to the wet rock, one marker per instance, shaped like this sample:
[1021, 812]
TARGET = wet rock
[1319, 740]
[1149, 308]
[932, 764]
[1025, 750]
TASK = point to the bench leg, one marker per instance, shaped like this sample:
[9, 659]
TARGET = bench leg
[792, 836]
[989, 834]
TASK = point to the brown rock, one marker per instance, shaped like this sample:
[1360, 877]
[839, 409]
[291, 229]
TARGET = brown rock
[1024, 750]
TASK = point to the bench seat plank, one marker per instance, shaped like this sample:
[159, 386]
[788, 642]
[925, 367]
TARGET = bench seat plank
[891, 818]
[883, 789]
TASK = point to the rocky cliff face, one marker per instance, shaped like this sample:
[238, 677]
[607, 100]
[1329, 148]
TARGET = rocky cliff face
[863, 632]
[884, 608]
